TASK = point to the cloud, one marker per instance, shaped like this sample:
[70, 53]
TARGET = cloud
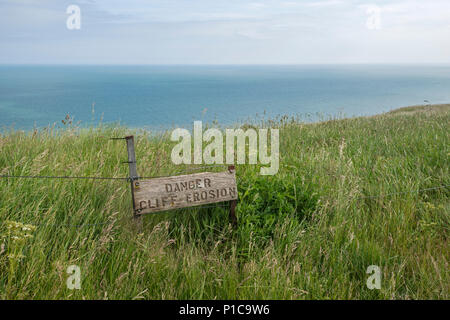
[224, 31]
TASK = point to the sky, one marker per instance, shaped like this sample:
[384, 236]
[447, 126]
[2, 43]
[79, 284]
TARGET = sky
[225, 32]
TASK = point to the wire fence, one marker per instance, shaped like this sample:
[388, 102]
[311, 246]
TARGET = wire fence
[404, 192]
[184, 171]
[110, 178]
[128, 179]
[218, 205]
[64, 177]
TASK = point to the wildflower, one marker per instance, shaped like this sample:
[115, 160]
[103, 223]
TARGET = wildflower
[16, 237]
[17, 256]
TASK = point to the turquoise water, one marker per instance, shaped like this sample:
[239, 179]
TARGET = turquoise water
[166, 96]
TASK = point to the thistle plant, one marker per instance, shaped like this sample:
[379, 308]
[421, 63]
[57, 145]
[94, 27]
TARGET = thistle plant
[16, 236]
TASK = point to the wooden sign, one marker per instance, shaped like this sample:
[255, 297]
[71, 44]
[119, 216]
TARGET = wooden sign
[161, 194]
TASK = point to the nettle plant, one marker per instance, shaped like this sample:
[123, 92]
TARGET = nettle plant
[15, 237]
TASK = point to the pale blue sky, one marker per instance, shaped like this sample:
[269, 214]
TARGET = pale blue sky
[224, 32]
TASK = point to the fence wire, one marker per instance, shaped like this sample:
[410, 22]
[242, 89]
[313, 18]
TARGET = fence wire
[63, 177]
[403, 192]
[109, 178]
[187, 170]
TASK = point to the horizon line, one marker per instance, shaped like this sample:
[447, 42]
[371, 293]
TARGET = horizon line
[225, 64]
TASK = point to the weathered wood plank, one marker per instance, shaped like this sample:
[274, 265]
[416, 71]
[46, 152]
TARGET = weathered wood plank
[131, 157]
[161, 194]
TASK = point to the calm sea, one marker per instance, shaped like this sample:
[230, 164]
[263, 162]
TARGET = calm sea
[166, 96]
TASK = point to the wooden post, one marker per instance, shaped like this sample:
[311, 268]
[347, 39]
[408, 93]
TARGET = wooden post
[132, 172]
[131, 158]
[233, 204]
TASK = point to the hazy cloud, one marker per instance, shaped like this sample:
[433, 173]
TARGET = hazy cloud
[225, 31]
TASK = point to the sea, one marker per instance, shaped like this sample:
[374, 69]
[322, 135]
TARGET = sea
[161, 97]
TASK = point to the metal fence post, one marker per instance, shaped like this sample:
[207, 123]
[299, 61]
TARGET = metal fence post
[132, 172]
[131, 158]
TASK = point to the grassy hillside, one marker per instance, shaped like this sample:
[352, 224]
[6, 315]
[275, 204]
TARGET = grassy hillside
[344, 199]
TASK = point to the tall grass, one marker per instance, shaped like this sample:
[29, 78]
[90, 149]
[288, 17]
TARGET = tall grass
[309, 232]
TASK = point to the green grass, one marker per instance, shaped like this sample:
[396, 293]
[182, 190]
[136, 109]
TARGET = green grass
[306, 233]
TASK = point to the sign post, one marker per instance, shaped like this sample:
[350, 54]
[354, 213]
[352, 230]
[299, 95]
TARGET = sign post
[131, 158]
[132, 167]
[233, 203]
[175, 192]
